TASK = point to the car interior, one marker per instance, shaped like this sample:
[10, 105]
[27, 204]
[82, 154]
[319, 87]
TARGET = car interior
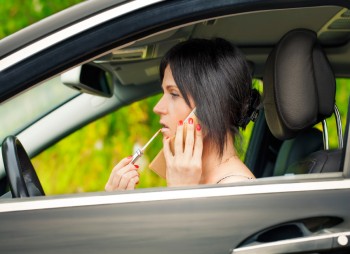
[299, 41]
[299, 93]
[298, 61]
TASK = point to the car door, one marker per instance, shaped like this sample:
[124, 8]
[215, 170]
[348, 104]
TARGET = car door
[210, 219]
[273, 215]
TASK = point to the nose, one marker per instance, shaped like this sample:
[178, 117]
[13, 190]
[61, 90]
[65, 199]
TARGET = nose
[160, 107]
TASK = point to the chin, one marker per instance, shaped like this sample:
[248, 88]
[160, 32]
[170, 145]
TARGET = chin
[167, 133]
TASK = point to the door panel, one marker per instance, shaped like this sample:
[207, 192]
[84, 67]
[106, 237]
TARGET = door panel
[194, 225]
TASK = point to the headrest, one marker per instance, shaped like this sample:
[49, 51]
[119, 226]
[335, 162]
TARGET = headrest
[299, 85]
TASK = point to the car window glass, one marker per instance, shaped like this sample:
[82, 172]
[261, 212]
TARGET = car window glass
[28, 107]
[96, 148]
[341, 100]
[246, 134]
[84, 159]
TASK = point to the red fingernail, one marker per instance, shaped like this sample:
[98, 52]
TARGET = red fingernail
[129, 157]
[180, 122]
[198, 127]
[136, 166]
[190, 121]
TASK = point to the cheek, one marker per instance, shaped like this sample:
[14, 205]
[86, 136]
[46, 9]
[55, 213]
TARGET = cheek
[179, 112]
[173, 123]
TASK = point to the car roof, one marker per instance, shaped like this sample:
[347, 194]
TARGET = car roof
[252, 25]
[254, 32]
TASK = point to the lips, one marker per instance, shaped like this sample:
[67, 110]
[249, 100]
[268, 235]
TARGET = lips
[163, 124]
[164, 128]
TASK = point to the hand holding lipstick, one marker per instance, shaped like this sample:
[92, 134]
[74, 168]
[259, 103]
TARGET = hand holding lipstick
[124, 176]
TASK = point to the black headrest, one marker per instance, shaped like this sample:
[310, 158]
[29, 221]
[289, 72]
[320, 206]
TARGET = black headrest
[299, 85]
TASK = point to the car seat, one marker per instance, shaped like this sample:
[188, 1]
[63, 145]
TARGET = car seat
[299, 92]
[295, 149]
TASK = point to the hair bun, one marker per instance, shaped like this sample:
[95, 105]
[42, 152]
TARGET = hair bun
[253, 109]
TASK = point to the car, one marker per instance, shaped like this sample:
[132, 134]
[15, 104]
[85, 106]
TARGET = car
[92, 59]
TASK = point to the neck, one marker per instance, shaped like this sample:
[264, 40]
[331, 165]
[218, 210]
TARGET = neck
[213, 166]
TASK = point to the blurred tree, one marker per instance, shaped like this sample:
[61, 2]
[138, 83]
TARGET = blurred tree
[17, 14]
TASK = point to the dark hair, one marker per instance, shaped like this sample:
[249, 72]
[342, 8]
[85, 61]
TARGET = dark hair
[218, 78]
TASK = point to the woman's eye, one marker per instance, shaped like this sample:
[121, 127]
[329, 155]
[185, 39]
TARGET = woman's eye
[174, 95]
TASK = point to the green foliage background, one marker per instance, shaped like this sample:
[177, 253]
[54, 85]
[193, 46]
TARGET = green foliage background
[82, 161]
[17, 14]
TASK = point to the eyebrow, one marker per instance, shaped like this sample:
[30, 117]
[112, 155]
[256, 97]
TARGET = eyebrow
[167, 87]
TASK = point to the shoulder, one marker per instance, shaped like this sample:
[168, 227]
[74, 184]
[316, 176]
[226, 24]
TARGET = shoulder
[234, 178]
[236, 171]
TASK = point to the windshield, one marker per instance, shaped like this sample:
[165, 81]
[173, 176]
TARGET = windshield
[26, 108]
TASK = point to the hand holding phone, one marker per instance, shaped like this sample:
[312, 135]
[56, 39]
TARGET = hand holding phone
[184, 163]
[180, 160]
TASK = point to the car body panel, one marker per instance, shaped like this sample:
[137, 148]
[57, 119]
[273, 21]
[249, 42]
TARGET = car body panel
[216, 221]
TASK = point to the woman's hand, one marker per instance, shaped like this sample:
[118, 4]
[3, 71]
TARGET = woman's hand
[124, 176]
[184, 167]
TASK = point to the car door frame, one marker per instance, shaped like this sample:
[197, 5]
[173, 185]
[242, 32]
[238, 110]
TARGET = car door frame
[65, 50]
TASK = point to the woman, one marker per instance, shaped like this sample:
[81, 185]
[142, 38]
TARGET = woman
[213, 77]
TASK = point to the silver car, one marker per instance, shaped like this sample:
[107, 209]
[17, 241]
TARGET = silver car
[94, 58]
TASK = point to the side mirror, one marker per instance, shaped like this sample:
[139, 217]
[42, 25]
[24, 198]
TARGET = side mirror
[88, 79]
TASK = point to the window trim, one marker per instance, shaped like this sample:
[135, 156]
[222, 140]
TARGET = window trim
[330, 181]
[72, 30]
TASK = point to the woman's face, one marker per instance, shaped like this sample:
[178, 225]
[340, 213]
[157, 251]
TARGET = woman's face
[171, 107]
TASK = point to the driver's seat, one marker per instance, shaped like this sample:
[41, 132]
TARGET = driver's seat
[299, 92]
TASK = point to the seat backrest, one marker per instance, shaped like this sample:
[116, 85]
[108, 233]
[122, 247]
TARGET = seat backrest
[322, 161]
[299, 92]
[295, 149]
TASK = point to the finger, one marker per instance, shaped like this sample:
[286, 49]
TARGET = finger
[179, 138]
[198, 147]
[118, 174]
[166, 148]
[125, 179]
[189, 138]
[132, 183]
[120, 165]
[108, 187]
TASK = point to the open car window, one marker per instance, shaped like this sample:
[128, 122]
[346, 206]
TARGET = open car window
[133, 71]
[97, 147]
